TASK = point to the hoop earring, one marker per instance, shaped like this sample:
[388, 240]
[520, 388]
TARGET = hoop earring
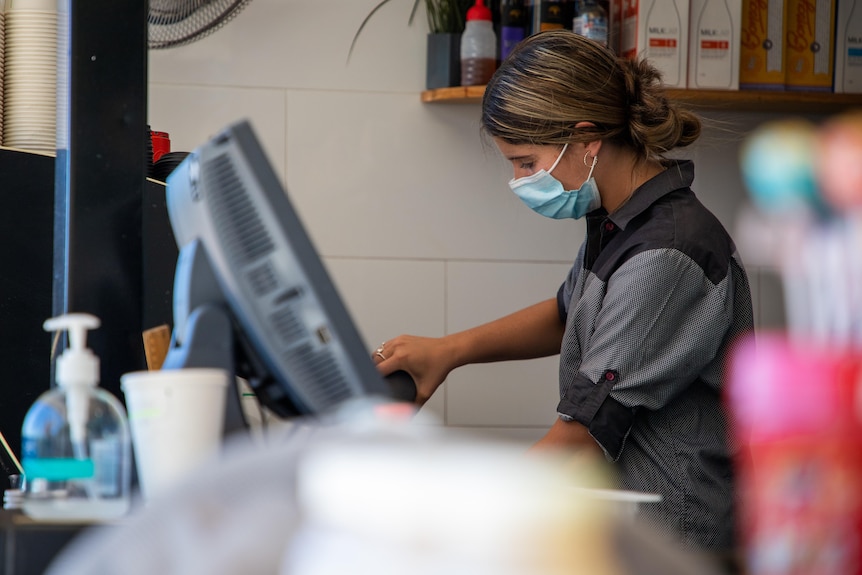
[595, 159]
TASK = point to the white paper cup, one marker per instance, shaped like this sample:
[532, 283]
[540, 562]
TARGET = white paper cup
[176, 418]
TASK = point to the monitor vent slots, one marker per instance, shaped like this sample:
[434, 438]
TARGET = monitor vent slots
[317, 366]
[238, 224]
[262, 279]
[287, 326]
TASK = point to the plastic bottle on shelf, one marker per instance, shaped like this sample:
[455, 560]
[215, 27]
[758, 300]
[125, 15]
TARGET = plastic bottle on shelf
[75, 439]
[513, 25]
[591, 21]
[478, 46]
[550, 15]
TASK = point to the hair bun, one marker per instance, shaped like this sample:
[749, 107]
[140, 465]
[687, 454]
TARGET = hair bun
[656, 124]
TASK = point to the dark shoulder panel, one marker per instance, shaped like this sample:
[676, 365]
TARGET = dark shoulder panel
[678, 221]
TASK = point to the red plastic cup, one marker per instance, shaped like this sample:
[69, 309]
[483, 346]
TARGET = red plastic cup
[161, 144]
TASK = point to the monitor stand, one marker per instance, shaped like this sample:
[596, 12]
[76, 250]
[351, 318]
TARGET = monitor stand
[203, 335]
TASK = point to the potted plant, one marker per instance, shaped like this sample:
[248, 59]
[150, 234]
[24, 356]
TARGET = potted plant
[446, 20]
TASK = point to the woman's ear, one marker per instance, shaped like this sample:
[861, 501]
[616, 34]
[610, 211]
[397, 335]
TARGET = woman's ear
[593, 146]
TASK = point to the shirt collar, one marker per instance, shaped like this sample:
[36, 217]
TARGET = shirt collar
[677, 174]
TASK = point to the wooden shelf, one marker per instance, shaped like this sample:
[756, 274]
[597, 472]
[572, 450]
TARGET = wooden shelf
[455, 95]
[734, 101]
[763, 101]
[23, 151]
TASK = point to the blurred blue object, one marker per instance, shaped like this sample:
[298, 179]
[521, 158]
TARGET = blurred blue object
[778, 167]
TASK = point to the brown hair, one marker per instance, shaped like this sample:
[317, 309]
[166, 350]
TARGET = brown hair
[555, 79]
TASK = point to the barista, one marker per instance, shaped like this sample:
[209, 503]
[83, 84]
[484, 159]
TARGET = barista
[645, 319]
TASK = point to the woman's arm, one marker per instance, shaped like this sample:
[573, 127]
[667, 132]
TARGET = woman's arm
[569, 436]
[532, 332]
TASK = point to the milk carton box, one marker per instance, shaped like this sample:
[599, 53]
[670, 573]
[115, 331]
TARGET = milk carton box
[713, 48]
[809, 45]
[658, 30]
[848, 47]
[761, 50]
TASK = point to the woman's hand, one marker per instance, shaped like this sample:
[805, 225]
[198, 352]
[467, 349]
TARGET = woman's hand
[428, 361]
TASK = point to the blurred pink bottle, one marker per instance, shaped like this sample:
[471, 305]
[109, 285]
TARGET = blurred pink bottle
[796, 421]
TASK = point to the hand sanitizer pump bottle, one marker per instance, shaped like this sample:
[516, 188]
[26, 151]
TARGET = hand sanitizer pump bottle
[75, 439]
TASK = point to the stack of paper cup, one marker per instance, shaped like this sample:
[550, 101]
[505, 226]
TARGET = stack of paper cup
[2, 60]
[30, 75]
[63, 51]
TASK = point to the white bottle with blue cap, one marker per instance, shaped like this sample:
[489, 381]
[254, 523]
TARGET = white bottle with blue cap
[76, 450]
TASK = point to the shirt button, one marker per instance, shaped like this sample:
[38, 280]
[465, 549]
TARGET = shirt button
[609, 226]
[610, 376]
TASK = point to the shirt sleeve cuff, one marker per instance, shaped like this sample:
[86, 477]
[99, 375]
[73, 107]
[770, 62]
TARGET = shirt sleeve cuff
[607, 420]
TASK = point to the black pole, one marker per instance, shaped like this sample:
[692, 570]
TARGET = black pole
[100, 176]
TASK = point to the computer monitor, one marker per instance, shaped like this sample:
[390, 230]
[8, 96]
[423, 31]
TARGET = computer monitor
[251, 293]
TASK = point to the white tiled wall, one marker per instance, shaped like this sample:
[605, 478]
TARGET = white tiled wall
[405, 201]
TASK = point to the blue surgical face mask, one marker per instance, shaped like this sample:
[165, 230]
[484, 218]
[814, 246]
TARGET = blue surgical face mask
[545, 195]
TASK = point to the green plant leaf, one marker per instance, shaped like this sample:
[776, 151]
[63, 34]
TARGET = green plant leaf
[362, 26]
[447, 16]
[413, 11]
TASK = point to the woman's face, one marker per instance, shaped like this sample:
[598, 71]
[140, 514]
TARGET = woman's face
[527, 159]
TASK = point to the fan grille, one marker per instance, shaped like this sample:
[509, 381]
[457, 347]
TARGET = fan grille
[174, 23]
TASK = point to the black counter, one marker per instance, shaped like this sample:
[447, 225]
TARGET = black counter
[27, 547]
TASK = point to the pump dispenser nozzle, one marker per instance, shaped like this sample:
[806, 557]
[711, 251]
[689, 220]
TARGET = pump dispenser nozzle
[77, 367]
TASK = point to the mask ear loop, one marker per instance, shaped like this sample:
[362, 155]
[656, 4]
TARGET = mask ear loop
[560, 157]
[590, 166]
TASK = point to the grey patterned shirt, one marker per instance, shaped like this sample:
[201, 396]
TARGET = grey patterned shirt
[653, 304]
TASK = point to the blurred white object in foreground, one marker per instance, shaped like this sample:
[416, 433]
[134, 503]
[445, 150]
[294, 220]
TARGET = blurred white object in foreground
[446, 504]
[377, 491]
